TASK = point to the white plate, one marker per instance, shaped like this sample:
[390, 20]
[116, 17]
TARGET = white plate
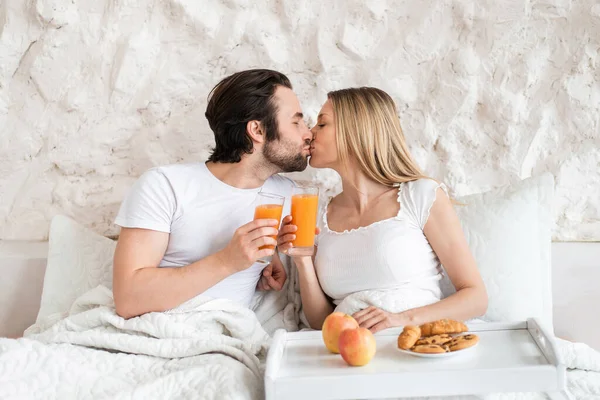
[440, 355]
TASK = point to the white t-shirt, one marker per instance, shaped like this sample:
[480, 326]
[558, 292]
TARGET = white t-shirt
[392, 255]
[201, 214]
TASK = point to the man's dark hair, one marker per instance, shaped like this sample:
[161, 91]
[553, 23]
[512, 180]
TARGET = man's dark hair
[242, 97]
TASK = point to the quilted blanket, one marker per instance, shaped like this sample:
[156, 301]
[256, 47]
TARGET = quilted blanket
[205, 348]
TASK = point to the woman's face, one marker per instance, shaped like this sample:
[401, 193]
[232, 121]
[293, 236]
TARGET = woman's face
[323, 151]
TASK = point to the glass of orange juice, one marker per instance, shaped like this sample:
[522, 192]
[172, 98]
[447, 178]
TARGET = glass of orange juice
[305, 202]
[268, 206]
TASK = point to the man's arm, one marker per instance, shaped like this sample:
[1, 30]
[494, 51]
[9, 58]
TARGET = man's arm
[139, 286]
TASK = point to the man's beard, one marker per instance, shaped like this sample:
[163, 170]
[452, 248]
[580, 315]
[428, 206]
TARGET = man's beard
[281, 154]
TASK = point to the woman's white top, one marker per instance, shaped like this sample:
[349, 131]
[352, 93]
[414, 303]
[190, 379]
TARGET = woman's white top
[389, 255]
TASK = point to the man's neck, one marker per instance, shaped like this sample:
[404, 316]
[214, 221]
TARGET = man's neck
[245, 174]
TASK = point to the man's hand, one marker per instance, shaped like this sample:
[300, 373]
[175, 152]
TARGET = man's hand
[273, 276]
[375, 319]
[244, 247]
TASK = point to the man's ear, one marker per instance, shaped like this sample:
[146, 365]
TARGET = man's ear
[255, 130]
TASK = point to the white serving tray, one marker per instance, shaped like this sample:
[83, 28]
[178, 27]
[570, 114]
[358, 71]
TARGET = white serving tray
[510, 357]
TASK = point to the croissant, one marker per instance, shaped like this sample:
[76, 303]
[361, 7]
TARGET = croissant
[409, 337]
[443, 326]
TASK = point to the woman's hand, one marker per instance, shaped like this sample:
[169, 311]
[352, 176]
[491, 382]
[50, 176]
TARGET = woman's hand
[287, 234]
[375, 319]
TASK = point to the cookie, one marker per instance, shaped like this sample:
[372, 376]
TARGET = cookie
[428, 349]
[436, 339]
[442, 326]
[409, 337]
[463, 342]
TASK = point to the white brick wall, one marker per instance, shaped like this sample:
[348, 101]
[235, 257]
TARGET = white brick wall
[94, 92]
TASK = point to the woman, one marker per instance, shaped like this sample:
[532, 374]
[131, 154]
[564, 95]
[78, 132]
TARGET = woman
[389, 230]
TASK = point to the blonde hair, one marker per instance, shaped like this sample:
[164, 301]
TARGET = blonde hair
[368, 130]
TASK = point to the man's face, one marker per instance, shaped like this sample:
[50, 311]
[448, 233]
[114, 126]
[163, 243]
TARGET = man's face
[290, 152]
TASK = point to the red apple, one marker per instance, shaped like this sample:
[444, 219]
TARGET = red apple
[357, 346]
[333, 326]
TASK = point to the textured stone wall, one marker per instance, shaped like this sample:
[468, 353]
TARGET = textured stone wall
[94, 92]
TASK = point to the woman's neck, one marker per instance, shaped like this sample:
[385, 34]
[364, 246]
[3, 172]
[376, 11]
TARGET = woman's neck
[358, 190]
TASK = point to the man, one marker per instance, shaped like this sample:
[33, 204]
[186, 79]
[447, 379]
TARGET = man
[185, 228]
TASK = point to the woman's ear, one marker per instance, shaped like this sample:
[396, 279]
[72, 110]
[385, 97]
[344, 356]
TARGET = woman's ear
[255, 130]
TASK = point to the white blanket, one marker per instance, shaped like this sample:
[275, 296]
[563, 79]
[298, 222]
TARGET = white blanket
[204, 349]
[209, 349]
[582, 362]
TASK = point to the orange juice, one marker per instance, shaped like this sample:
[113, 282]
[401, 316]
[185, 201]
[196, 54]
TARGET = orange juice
[268, 211]
[304, 216]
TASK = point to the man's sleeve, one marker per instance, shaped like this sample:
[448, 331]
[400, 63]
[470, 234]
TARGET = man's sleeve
[150, 203]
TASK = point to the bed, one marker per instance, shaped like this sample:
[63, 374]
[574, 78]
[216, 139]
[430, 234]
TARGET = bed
[75, 346]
